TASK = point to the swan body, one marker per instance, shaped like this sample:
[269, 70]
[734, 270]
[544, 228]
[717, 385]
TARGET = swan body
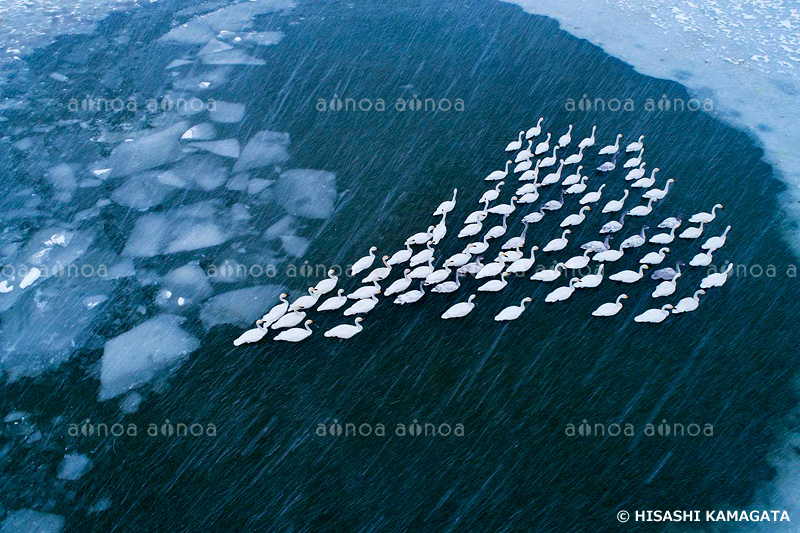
[687, 305]
[549, 275]
[495, 285]
[477, 216]
[636, 173]
[588, 141]
[470, 230]
[504, 209]
[644, 183]
[715, 243]
[447, 206]
[471, 268]
[328, 284]
[513, 146]
[498, 175]
[590, 281]
[529, 197]
[448, 286]
[523, 166]
[512, 312]
[276, 312]
[635, 241]
[664, 238]
[543, 146]
[410, 297]
[437, 276]
[572, 179]
[365, 292]
[717, 279]
[634, 161]
[608, 255]
[399, 285]
[635, 146]
[476, 248]
[611, 148]
[422, 256]
[693, 232]
[616, 205]
[365, 262]
[400, 256]
[379, 274]
[439, 231]
[576, 219]
[529, 175]
[667, 288]
[289, 320]
[608, 166]
[557, 244]
[362, 306]
[422, 271]
[614, 226]
[492, 269]
[669, 223]
[592, 197]
[345, 331]
[549, 161]
[532, 218]
[460, 309]
[643, 210]
[654, 316]
[516, 242]
[524, 155]
[554, 177]
[562, 293]
[554, 205]
[565, 139]
[654, 258]
[577, 188]
[536, 130]
[705, 217]
[295, 334]
[250, 336]
[597, 246]
[701, 259]
[492, 194]
[611, 308]
[522, 265]
[334, 302]
[574, 158]
[629, 276]
[578, 262]
[306, 302]
[498, 231]
[418, 238]
[659, 194]
[459, 259]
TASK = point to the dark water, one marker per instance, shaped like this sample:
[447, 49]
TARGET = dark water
[514, 387]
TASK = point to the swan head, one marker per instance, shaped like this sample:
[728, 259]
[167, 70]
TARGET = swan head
[359, 320]
[664, 250]
[645, 267]
[668, 306]
[471, 297]
[718, 206]
[374, 249]
[332, 273]
[533, 249]
[309, 322]
[283, 295]
[526, 300]
[623, 297]
[670, 180]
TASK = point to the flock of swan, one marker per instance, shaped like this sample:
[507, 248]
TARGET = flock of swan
[418, 257]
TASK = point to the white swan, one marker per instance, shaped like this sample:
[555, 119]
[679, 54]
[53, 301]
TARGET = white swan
[327, 285]
[422, 271]
[645, 183]
[449, 286]
[543, 146]
[588, 141]
[692, 233]
[399, 285]
[530, 174]
[634, 161]
[635, 146]
[561, 293]
[654, 258]
[592, 197]
[611, 148]
[365, 262]
[498, 231]
[590, 281]
[380, 273]
[533, 218]
[251, 335]
[459, 259]
[365, 292]
[597, 246]
[572, 179]
[635, 241]
[523, 264]
[470, 230]
[715, 243]
[608, 166]
[492, 269]
[687, 305]
[565, 139]
[614, 226]
[636, 173]
[437, 276]
[306, 302]
[524, 155]
[411, 297]
[400, 256]
[574, 158]
[611, 308]
[609, 255]
[512, 312]
[471, 268]
[495, 285]
[524, 166]
[705, 217]
[577, 188]
[504, 209]
[664, 238]
[439, 231]
[492, 194]
[629, 276]
[659, 194]
[554, 205]
[643, 210]
[289, 320]
[295, 334]
[277, 311]
[422, 256]
[362, 307]
[654, 316]
[476, 248]
[516, 242]
[549, 275]
[667, 288]
[670, 222]
[513, 146]
[578, 262]
[345, 331]
[477, 216]
[702, 259]
[616, 205]
[446, 206]
[529, 197]
[460, 309]
[558, 243]
[549, 161]
[334, 302]
[576, 219]
[536, 130]
[717, 279]
[498, 175]
[554, 177]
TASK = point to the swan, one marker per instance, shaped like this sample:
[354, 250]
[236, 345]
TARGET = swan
[498, 175]
[306, 302]
[365, 292]
[635, 241]
[399, 285]
[523, 166]
[362, 307]
[492, 194]
[611, 148]
[554, 205]
[608, 166]
[588, 141]
[579, 261]
[667, 288]
[477, 216]
[459, 259]
[692, 233]
[634, 161]
[495, 285]
[345, 331]
[437, 276]
[614, 225]
[549, 275]
[460, 309]
[644, 183]
[295, 334]
[379, 274]
[576, 219]
[611, 308]
[577, 188]
[513, 146]
[608, 255]
[476, 248]
[635, 173]
[513, 255]
[533, 218]
[701, 259]
[565, 139]
[400, 256]
[448, 286]
[659, 194]
[629, 276]
[422, 256]
[327, 285]
[643, 210]
[289, 320]
[335, 302]
[558, 243]
[439, 231]
[277, 311]
[543, 146]
[251, 335]
[635, 146]
[471, 268]
[524, 155]
[536, 130]
[530, 174]
[549, 161]
[470, 230]
[715, 243]
[687, 305]
[717, 279]
[574, 158]
[554, 177]
[561, 293]
[522, 265]
[664, 273]
[494, 268]
[516, 242]
[592, 197]
[422, 271]
[654, 316]
[529, 197]
[572, 179]
[365, 262]
[498, 231]
[590, 281]
[447, 206]
[418, 238]
[512, 312]
[410, 297]
[705, 217]
[664, 238]
[597, 246]
[616, 205]
[654, 258]
[504, 209]
[670, 222]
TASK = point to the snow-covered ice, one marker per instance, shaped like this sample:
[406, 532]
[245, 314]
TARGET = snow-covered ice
[307, 193]
[73, 466]
[240, 307]
[30, 521]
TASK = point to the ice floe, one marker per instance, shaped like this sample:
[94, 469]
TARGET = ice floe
[239, 307]
[307, 193]
[30, 521]
[146, 152]
[226, 112]
[73, 466]
[263, 149]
